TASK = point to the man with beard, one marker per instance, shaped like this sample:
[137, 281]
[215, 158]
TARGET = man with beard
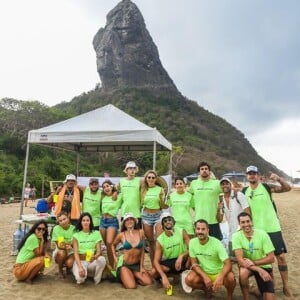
[254, 252]
[206, 191]
[129, 187]
[265, 216]
[211, 266]
[69, 198]
[171, 250]
[91, 201]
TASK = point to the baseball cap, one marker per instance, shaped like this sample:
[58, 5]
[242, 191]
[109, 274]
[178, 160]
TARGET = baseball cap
[165, 215]
[225, 179]
[93, 179]
[251, 169]
[131, 164]
[70, 177]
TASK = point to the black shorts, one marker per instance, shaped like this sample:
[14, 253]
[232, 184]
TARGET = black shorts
[133, 268]
[278, 242]
[170, 263]
[215, 231]
[264, 286]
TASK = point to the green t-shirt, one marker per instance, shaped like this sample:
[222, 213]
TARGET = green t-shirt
[263, 213]
[210, 256]
[91, 204]
[87, 240]
[205, 199]
[66, 233]
[172, 246]
[152, 197]
[27, 251]
[257, 248]
[110, 206]
[131, 197]
[181, 210]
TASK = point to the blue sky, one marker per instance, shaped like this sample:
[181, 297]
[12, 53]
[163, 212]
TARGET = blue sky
[238, 59]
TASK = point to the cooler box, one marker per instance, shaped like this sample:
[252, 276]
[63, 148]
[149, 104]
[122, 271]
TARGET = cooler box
[42, 206]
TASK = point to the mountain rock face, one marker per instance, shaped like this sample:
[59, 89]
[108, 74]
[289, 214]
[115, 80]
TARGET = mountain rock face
[126, 53]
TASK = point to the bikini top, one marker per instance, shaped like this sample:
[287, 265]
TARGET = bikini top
[128, 246]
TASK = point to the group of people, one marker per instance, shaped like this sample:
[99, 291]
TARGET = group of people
[88, 216]
[29, 193]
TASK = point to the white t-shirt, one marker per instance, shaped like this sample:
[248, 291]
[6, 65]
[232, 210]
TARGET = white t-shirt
[234, 209]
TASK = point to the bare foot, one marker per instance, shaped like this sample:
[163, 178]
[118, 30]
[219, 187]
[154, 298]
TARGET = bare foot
[287, 293]
[29, 281]
[61, 275]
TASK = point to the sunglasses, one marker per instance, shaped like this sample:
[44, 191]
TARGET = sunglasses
[41, 229]
[251, 194]
[94, 183]
[151, 177]
[168, 219]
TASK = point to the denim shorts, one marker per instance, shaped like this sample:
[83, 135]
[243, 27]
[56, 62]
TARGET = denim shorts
[109, 222]
[150, 219]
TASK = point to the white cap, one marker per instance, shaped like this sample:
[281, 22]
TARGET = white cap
[165, 215]
[225, 179]
[252, 169]
[70, 177]
[128, 216]
[131, 164]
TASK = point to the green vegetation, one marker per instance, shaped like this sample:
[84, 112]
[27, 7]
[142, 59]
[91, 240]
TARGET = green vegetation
[195, 133]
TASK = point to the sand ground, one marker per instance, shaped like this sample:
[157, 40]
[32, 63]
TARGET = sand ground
[50, 287]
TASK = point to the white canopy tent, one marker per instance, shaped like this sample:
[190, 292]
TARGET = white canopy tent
[106, 129]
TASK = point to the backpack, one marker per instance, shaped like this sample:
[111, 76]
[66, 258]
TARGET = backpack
[269, 192]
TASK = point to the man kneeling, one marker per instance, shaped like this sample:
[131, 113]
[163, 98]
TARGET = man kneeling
[171, 250]
[211, 266]
[254, 252]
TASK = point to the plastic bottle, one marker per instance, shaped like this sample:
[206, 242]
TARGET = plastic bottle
[17, 237]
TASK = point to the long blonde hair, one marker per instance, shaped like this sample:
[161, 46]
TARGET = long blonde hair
[145, 186]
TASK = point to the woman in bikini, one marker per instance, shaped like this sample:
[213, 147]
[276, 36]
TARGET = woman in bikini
[130, 266]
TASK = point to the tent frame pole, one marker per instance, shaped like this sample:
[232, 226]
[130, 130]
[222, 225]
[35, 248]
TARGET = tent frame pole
[24, 179]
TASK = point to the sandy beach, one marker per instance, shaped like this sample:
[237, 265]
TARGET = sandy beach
[50, 287]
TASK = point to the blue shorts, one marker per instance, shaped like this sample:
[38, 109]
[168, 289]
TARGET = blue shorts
[109, 223]
[150, 219]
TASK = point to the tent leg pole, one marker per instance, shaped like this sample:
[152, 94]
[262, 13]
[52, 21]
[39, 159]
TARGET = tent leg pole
[170, 166]
[24, 179]
[154, 156]
[77, 164]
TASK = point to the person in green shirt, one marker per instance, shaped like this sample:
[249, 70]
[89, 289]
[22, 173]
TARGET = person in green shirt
[265, 216]
[206, 191]
[171, 250]
[254, 252]
[109, 224]
[87, 251]
[211, 266]
[180, 202]
[91, 201]
[62, 235]
[32, 251]
[130, 187]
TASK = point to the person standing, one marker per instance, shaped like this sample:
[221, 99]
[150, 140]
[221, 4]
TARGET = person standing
[27, 192]
[254, 252]
[129, 187]
[180, 201]
[109, 224]
[265, 216]
[231, 205]
[152, 200]
[91, 201]
[69, 199]
[205, 191]
[211, 266]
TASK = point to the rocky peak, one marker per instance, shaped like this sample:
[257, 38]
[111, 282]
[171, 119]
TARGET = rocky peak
[126, 53]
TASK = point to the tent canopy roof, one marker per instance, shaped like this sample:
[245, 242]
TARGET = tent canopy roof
[104, 129]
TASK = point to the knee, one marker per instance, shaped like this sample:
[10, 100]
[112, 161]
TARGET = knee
[281, 259]
[101, 260]
[243, 274]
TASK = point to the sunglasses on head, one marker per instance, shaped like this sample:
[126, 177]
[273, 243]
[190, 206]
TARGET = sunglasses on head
[41, 228]
[151, 177]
